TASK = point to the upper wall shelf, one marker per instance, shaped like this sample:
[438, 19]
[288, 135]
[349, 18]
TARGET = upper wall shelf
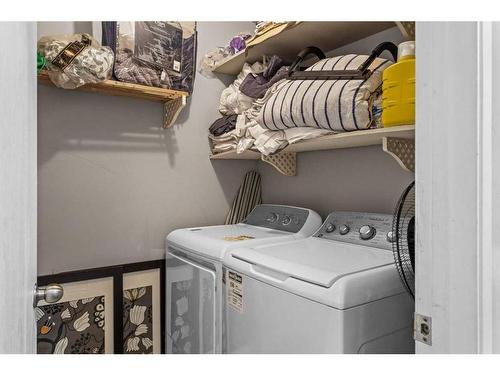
[173, 100]
[325, 35]
[398, 141]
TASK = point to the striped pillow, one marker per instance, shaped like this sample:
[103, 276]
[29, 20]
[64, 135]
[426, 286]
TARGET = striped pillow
[339, 105]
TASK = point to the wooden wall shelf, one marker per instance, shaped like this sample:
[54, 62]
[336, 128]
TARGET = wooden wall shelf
[406, 135]
[173, 100]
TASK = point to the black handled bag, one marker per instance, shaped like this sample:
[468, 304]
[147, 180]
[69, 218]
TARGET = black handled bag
[363, 71]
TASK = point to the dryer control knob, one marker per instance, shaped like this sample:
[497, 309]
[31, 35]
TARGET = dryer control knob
[344, 229]
[330, 228]
[390, 236]
[272, 217]
[366, 232]
[286, 220]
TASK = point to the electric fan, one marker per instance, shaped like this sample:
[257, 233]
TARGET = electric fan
[403, 249]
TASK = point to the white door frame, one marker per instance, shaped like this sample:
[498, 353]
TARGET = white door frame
[18, 186]
[455, 185]
[485, 188]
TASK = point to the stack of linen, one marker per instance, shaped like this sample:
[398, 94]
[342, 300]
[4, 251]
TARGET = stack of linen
[240, 105]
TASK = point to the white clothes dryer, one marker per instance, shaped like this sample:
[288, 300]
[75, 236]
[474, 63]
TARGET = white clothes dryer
[194, 271]
[337, 291]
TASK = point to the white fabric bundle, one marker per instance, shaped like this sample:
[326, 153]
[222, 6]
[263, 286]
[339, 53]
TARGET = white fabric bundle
[224, 142]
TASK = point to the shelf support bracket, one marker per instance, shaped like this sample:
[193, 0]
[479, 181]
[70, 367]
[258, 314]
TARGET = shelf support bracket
[403, 150]
[283, 162]
[172, 108]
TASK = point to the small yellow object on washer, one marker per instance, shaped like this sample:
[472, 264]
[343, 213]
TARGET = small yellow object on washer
[238, 238]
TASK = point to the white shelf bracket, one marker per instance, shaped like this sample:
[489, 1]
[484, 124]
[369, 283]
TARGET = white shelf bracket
[283, 162]
[403, 150]
[172, 108]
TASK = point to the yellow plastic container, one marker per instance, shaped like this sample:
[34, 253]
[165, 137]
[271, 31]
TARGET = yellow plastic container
[398, 88]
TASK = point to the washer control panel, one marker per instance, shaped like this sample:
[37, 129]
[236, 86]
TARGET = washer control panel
[361, 228]
[286, 218]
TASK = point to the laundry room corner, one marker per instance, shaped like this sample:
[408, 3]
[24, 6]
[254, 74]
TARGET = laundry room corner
[247, 181]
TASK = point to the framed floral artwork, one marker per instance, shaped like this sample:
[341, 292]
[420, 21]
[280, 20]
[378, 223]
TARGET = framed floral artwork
[117, 309]
[142, 312]
[77, 323]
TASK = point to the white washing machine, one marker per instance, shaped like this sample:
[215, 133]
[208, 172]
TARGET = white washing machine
[194, 271]
[337, 291]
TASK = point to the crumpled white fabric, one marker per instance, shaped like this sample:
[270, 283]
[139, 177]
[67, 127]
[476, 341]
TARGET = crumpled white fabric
[270, 141]
[232, 100]
[223, 147]
[224, 142]
[229, 136]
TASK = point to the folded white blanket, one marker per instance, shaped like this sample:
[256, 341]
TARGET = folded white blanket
[270, 141]
[231, 136]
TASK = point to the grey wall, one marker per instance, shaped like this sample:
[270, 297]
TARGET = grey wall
[112, 184]
[364, 179]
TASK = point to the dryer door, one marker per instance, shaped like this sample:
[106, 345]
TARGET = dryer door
[191, 308]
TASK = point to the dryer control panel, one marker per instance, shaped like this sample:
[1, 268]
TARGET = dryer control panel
[360, 228]
[285, 218]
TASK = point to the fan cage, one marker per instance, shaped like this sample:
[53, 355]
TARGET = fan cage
[404, 217]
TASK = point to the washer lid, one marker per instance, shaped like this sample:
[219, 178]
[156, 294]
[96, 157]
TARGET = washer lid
[314, 260]
[266, 223]
[214, 241]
